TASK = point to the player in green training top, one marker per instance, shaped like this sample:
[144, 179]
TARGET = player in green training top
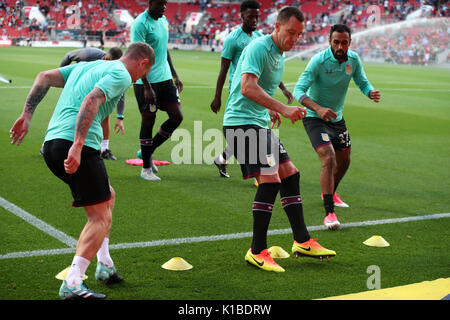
[157, 89]
[90, 93]
[233, 46]
[250, 109]
[322, 88]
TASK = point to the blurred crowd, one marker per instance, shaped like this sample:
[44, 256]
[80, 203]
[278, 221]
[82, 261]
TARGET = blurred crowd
[409, 46]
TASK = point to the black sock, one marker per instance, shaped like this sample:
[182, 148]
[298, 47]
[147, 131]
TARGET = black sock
[292, 205]
[164, 133]
[328, 203]
[262, 212]
[335, 187]
[145, 139]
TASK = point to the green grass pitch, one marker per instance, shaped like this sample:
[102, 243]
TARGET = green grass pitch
[400, 168]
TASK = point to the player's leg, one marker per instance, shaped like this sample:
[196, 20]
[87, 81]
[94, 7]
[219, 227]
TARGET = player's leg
[321, 136]
[168, 127]
[327, 157]
[291, 202]
[106, 271]
[342, 146]
[148, 115]
[169, 101]
[221, 163]
[342, 165]
[105, 152]
[244, 141]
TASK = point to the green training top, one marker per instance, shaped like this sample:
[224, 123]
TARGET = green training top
[155, 33]
[263, 59]
[80, 79]
[325, 81]
[233, 46]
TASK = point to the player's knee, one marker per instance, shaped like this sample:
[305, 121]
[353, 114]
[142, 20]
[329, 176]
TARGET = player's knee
[176, 119]
[113, 196]
[148, 119]
[106, 219]
[328, 161]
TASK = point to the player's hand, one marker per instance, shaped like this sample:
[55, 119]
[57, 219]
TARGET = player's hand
[289, 96]
[275, 118]
[294, 113]
[118, 126]
[149, 95]
[215, 104]
[375, 95]
[19, 129]
[73, 160]
[178, 84]
[327, 114]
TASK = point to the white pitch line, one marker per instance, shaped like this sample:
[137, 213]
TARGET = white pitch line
[166, 242]
[41, 225]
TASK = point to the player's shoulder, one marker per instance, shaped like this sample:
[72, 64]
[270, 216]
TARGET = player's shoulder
[352, 55]
[263, 42]
[258, 33]
[322, 56]
[233, 35]
[143, 15]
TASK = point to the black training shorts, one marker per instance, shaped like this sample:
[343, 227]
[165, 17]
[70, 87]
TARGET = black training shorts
[166, 96]
[258, 150]
[323, 133]
[90, 183]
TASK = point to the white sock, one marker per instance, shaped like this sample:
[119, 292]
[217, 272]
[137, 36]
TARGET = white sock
[220, 159]
[104, 145]
[77, 271]
[103, 254]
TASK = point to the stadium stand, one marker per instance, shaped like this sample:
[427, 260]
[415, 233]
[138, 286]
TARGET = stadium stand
[95, 18]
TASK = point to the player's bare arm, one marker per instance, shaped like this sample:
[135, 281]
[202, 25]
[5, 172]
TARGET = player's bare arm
[286, 93]
[217, 101]
[41, 85]
[251, 90]
[325, 113]
[176, 80]
[149, 94]
[88, 111]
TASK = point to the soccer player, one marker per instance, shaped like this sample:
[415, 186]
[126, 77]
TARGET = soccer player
[233, 46]
[156, 90]
[92, 54]
[250, 108]
[72, 150]
[322, 88]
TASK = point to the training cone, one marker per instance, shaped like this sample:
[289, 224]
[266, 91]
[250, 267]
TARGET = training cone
[278, 253]
[177, 264]
[63, 274]
[376, 241]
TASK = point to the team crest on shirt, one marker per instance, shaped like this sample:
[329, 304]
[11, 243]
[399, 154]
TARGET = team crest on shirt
[270, 160]
[348, 68]
[325, 137]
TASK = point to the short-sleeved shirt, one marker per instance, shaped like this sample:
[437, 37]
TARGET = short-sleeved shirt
[233, 46]
[155, 33]
[80, 79]
[325, 81]
[263, 59]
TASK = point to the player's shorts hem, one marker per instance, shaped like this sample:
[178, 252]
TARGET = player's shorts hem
[90, 203]
[322, 145]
